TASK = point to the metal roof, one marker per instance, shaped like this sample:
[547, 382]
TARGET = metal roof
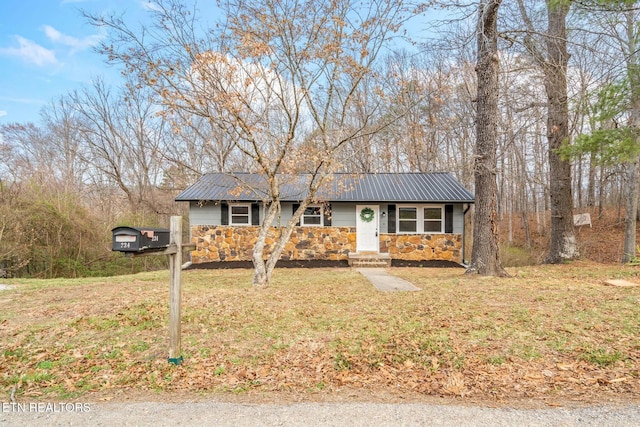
[341, 187]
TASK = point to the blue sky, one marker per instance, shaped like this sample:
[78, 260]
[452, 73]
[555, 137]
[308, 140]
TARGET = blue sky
[46, 50]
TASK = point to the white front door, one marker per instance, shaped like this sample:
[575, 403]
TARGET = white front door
[367, 223]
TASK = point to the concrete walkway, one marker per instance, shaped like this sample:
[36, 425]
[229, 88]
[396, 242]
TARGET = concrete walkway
[385, 282]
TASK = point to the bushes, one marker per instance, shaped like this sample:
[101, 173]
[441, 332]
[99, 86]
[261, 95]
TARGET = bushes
[51, 234]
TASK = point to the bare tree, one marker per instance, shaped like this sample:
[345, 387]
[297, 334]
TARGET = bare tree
[552, 60]
[201, 148]
[122, 138]
[632, 52]
[618, 102]
[278, 78]
[623, 29]
[563, 245]
[65, 139]
[485, 255]
[45, 228]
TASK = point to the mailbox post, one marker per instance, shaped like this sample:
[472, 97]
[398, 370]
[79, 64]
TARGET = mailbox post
[160, 241]
[175, 292]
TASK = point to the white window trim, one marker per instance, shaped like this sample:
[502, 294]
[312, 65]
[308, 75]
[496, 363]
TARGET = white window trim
[422, 208]
[420, 219]
[242, 224]
[302, 224]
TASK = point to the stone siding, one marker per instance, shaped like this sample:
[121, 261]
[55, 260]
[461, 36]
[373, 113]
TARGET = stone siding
[227, 243]
[423, 247]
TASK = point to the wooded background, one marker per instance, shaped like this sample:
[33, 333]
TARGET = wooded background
[104, 155]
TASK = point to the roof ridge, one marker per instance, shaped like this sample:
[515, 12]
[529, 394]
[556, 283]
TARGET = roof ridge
[335, 173]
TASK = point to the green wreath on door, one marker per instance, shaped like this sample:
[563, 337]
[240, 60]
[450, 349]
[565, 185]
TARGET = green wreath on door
[367, 214]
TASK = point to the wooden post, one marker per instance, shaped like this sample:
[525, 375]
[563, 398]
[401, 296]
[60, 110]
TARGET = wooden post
[175, 292]
[174, 251]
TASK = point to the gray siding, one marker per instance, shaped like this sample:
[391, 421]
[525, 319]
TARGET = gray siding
[384, 219]
[287, 213]
[343, 214]
[208, 214]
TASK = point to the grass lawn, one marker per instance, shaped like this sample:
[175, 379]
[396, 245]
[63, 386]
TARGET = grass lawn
[549, 333]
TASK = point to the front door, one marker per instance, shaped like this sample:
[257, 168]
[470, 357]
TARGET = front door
[367, 222]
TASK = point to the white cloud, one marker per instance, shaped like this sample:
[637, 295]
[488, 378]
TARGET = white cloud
[31, 52]
[73, 42]
[22, 100]
[3, 113]
[149, 5]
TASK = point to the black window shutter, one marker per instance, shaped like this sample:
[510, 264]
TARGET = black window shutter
[448, 218]
[391, 213]
[293, 211]
[224, 218]
[327, 215]
[255, 214]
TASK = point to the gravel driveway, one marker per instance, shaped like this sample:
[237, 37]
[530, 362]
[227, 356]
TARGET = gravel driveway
[312, 414]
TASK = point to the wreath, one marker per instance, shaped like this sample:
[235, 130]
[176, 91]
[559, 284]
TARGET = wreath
[366, 214]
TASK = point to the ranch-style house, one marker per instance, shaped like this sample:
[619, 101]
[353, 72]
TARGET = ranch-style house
[379, 217]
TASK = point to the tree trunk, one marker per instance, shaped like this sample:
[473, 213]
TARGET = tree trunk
[591, 191]
[631, 209]
[563, 245]
[264, 265]
[578, 178]
[601, 194]
[262, 274]
[485, 255]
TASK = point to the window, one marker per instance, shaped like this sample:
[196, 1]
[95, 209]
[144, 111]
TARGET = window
[312, 216]
[239, 214]
[432, 220]
[407, 220]
[420, 219]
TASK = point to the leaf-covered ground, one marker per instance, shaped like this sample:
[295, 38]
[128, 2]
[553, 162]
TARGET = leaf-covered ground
[547, 334]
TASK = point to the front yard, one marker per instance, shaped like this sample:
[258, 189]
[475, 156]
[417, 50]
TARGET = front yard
[548, 333]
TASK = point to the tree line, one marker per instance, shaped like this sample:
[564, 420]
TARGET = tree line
[281, 87]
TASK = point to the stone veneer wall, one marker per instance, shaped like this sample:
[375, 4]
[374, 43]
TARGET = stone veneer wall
[419, 247]
[228, 243]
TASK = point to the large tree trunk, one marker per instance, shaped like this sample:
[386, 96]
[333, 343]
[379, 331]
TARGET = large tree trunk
[485, 255]
[563, 245]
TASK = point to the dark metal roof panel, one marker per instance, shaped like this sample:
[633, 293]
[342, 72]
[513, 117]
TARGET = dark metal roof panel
[383, 187]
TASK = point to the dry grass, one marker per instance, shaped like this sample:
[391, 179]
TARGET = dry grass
[547, 333]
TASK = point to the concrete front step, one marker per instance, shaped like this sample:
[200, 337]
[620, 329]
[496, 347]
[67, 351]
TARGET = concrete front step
[371, 260]
[358, 264]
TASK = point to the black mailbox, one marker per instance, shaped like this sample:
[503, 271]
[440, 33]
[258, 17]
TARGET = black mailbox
[139, 239]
